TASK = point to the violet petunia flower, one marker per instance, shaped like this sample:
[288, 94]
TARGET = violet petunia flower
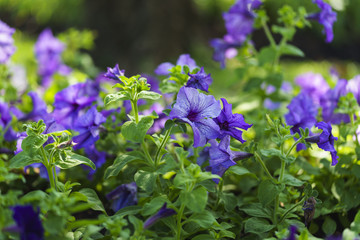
[48, 50]
[184, 59]
[6, 116]
[114, 73]
[292, 233]
[39, 108]
[302, 113]
[329, 102]
[162, 213]
[224, 49]
[197, 109]
[7, 47]
[325, 140]
[88, 127]
[28, 223]
[123, 196]
[325, 17]
[229, 122]
[353, 86]
[69, 102]
[159, 122]
[313, 84]
[221, 157]
[200, 80]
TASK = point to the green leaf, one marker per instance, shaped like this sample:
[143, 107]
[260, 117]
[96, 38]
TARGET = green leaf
[204, 219]
[116, 96]
[136, 132]
[268, 191]
[257, 210]
[230, 201]
[240, 171]
[203, 237]
[129, 210]
[277, 153]
[292, 181]
[329, 226]
[154, 205]
[257, 225]
[32, 143]
[118, 165]
[195, 200]
[73, 159]
[33, 196]
[146, 180]
[93, 199]
[149, 95]
[267, 55]
[22, 159]
[289, 49]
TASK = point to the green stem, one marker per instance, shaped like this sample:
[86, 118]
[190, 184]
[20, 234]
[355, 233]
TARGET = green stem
[147, 154]
[290, 209]
[292, 147]
[352, 119]
[179, 217]
[135, 108]
[278, 51]
[48, 168]
[268, 34]
[257, 156]
[55, 177]
[162, 144]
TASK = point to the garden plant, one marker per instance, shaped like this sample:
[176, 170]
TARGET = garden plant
[158, 156]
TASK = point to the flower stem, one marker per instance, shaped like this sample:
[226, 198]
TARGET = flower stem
[268, 34]
[47, 164]
[162, 144]
[179, 217]
[292, 147]
[290, 209]
[257, 156]
[135, 108]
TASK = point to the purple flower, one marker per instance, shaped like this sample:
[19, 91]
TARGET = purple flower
[39, 108]
[28, 223]
[325, 17]
[223, 48]
[48, 50]
[6, 113]
[114, 73]
[292, 233]
[88, 127]
[153, 81]
[313, 84]
[197, 109]
[199, 80]
[7, 47]
[325, 140]
[221, 157]
[123, 196]
[159, 123]
[162, 213]
[353, 86]
[302, 113]
[229, 122]
[70, 101]
[239, 20]
[184, 59]
[329, 102]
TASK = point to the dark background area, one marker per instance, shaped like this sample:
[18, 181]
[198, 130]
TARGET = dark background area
[140, 34]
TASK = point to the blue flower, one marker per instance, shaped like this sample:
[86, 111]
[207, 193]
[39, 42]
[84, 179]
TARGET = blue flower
[6, 116]
[325, 17]
[48, 50]
[162, 213]
[88, 127]
[221, 157]
[224, 48]
[184, 59]
[123, 196]
[325, 140]
[7, 47]
[229, 122]
[114, 73]
[292, 233]
[28, 223]
[199, 80]
[197, 109]
[313, 84]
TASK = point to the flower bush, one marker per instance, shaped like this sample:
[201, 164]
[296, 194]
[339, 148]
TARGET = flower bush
[160, 157]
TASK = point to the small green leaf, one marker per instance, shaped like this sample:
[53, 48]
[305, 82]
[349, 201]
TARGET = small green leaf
[116, 96]
[267, 55]
[118, 165]
[257, 210]
[195, 200]
[154, 205]
[136, 132]
[204, 219]
[73, 159]
[93, 199]
[289, 49]
[146, 180]
[292, 181]
[257, 225]
[22, 159]
[240, 171]
[129, 210]
[329, 226]
[268, 191]
[149, 95]
[31, 144]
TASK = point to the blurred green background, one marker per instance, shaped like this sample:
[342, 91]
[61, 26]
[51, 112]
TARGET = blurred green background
[140, 34]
